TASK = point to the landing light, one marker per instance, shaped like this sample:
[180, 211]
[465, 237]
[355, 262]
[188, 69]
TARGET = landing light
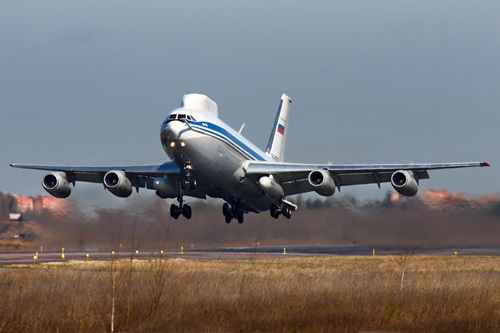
[183, 144]
[172, 144]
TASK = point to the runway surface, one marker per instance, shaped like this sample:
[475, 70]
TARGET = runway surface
[246, 253]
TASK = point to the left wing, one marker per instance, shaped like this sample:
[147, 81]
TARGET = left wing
[140, 176]
[293, 177]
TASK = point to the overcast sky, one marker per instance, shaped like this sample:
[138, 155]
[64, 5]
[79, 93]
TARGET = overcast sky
[90, 82]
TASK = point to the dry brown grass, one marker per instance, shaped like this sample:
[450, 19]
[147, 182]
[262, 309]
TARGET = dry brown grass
[341, 294]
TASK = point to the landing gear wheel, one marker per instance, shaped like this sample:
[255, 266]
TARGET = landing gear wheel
[240, 217]
[186, 211]
[274, 211]
[287, 212]
[233, 211]
[175, 211]
[225, 209]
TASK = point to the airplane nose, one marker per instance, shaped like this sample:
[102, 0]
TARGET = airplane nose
[173, 130]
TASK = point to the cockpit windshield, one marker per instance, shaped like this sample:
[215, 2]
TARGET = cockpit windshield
[181, 117]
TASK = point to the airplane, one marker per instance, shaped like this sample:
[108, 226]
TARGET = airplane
[209, 158]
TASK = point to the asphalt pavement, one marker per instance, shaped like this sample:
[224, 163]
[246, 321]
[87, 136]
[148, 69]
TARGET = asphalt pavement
[247, 253]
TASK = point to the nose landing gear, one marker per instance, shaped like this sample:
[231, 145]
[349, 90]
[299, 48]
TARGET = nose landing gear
[176, 211]
[184, 209]
[189, 181]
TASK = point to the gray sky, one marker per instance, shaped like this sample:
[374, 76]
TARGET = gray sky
[89, 82]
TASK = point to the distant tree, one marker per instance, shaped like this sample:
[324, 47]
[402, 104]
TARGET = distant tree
[495, 209]
[8, 204]
[318, 204]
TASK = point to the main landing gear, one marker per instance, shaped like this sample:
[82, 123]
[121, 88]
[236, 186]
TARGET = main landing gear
[285, 208]
[233, 212]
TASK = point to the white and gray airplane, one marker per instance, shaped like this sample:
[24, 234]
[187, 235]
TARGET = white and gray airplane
[209, 158]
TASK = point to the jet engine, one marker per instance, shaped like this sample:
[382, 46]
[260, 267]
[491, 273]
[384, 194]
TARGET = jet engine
[404, 182]
[164, 189]
[118, 183]
[56, 184]
[271, 187]
[322, 182]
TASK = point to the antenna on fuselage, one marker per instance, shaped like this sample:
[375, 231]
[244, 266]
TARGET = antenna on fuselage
[242, 128]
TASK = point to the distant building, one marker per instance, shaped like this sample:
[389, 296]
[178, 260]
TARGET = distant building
[37, 203]
[437, 199]
[15, 216]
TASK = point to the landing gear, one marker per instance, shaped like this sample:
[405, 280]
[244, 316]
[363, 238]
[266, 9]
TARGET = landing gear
[233, 212]
[228, 215]
[187, 211]
[285, 208]
[184, 209]
[274, 211]
[189, 182]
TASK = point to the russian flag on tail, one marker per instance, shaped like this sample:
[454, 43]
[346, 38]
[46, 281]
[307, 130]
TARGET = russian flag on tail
[281, 129]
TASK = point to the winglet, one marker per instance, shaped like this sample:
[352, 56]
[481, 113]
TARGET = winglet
[276, 145]
[485, 164]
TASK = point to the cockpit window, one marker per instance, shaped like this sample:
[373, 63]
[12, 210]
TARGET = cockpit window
[180, 117]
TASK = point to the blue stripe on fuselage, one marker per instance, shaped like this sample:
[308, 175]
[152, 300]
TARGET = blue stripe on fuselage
[227, 137]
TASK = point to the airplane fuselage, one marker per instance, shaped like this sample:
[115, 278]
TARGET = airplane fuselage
[217, 155]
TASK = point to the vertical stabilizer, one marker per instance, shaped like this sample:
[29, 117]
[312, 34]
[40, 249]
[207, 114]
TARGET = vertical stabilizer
[276, 145]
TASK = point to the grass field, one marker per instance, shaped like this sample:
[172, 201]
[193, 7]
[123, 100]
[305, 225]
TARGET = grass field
[335, 294]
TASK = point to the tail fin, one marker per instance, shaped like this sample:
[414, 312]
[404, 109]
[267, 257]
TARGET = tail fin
[276, 145]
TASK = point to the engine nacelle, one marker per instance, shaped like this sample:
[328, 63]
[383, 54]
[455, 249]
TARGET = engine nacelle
[404, 182]
[271, 187]
[164, 189]
[56, 184]
[322, 182]
[118, 183]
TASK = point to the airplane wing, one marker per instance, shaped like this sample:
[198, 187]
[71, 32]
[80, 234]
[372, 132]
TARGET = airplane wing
[141, 176]
[293, 176]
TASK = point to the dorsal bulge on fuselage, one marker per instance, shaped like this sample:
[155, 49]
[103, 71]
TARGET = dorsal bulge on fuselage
[199, 102]
[194, 107]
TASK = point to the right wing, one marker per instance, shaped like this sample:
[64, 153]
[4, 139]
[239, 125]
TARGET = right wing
[293, 176]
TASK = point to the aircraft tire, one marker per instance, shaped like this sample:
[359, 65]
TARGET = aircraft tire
[174, 211]
[225, 209]
[240, 217]
[228, 218]
[187, 211]
[287, 212]
[274, 211]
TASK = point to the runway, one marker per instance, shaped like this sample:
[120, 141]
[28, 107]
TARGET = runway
[247, 253]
